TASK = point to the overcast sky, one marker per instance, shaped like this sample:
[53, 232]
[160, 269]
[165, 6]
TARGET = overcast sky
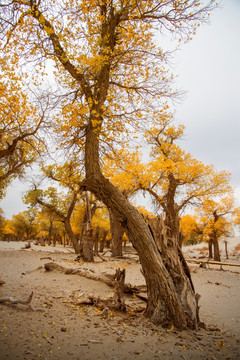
[209, 71]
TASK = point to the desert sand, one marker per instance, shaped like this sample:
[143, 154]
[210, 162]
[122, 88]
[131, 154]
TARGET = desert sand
[64, 329]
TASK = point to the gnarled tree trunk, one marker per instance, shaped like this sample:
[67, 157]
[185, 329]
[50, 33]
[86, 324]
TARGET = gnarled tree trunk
[175, 263]
[164, 306]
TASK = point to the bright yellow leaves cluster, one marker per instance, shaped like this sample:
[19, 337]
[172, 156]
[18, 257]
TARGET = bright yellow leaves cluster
[107, 52]
[19, 126]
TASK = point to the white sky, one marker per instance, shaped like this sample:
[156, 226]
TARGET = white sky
[208, 70]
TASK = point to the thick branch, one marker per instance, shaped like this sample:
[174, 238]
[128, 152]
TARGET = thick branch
[60, 52]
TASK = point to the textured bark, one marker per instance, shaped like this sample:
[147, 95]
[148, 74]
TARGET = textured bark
[117, 232]
[164, 305]
[176, 266]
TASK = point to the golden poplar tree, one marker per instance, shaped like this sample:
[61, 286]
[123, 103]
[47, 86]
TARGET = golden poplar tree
[109, 62]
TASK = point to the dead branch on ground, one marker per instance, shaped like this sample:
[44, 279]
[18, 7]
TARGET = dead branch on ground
[212, 262]
[107, 279]
[27, 302]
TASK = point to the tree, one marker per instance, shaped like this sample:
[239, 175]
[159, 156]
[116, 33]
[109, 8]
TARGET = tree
[20, 125]
[60, 205]
[178, 180]
[116, 169]
[215, 225]
[101, 226]
[173, 178]
[107, 58]
[191, 231]
[24, 225]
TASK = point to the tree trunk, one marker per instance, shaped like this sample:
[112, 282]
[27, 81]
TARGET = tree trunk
[71, 236]
[210, 248]
[102, 242]
[226, 248]
[164, 306]
[216, 256]
[174, 262]
[86, 237]
[50, 232]
[96, 239]
[87, 242]
[117, 232]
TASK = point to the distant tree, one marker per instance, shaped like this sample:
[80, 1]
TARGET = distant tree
[191, 231]
[58, 204]
[214, 223]
[173, 178]
[176, 180]
[20, 125]
[24, 225]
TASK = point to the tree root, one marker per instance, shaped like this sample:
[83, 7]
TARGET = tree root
[106, 305]
[27, 302]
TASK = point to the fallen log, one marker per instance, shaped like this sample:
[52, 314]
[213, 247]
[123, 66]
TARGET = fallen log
[27, 302]
[211, 262]
[107, 279]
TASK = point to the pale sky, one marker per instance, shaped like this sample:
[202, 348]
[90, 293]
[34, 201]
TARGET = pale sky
[208, 70]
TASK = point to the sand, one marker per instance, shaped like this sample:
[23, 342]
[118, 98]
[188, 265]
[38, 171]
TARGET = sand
[65, 330]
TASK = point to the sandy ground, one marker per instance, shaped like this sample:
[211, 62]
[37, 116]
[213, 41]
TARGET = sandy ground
[65, 330]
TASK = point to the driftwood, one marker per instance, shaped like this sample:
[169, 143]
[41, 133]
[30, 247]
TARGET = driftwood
[211, 262]
[27, 302]
[107, 279]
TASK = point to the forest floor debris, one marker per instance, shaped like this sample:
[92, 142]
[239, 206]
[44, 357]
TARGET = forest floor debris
[69, 329]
